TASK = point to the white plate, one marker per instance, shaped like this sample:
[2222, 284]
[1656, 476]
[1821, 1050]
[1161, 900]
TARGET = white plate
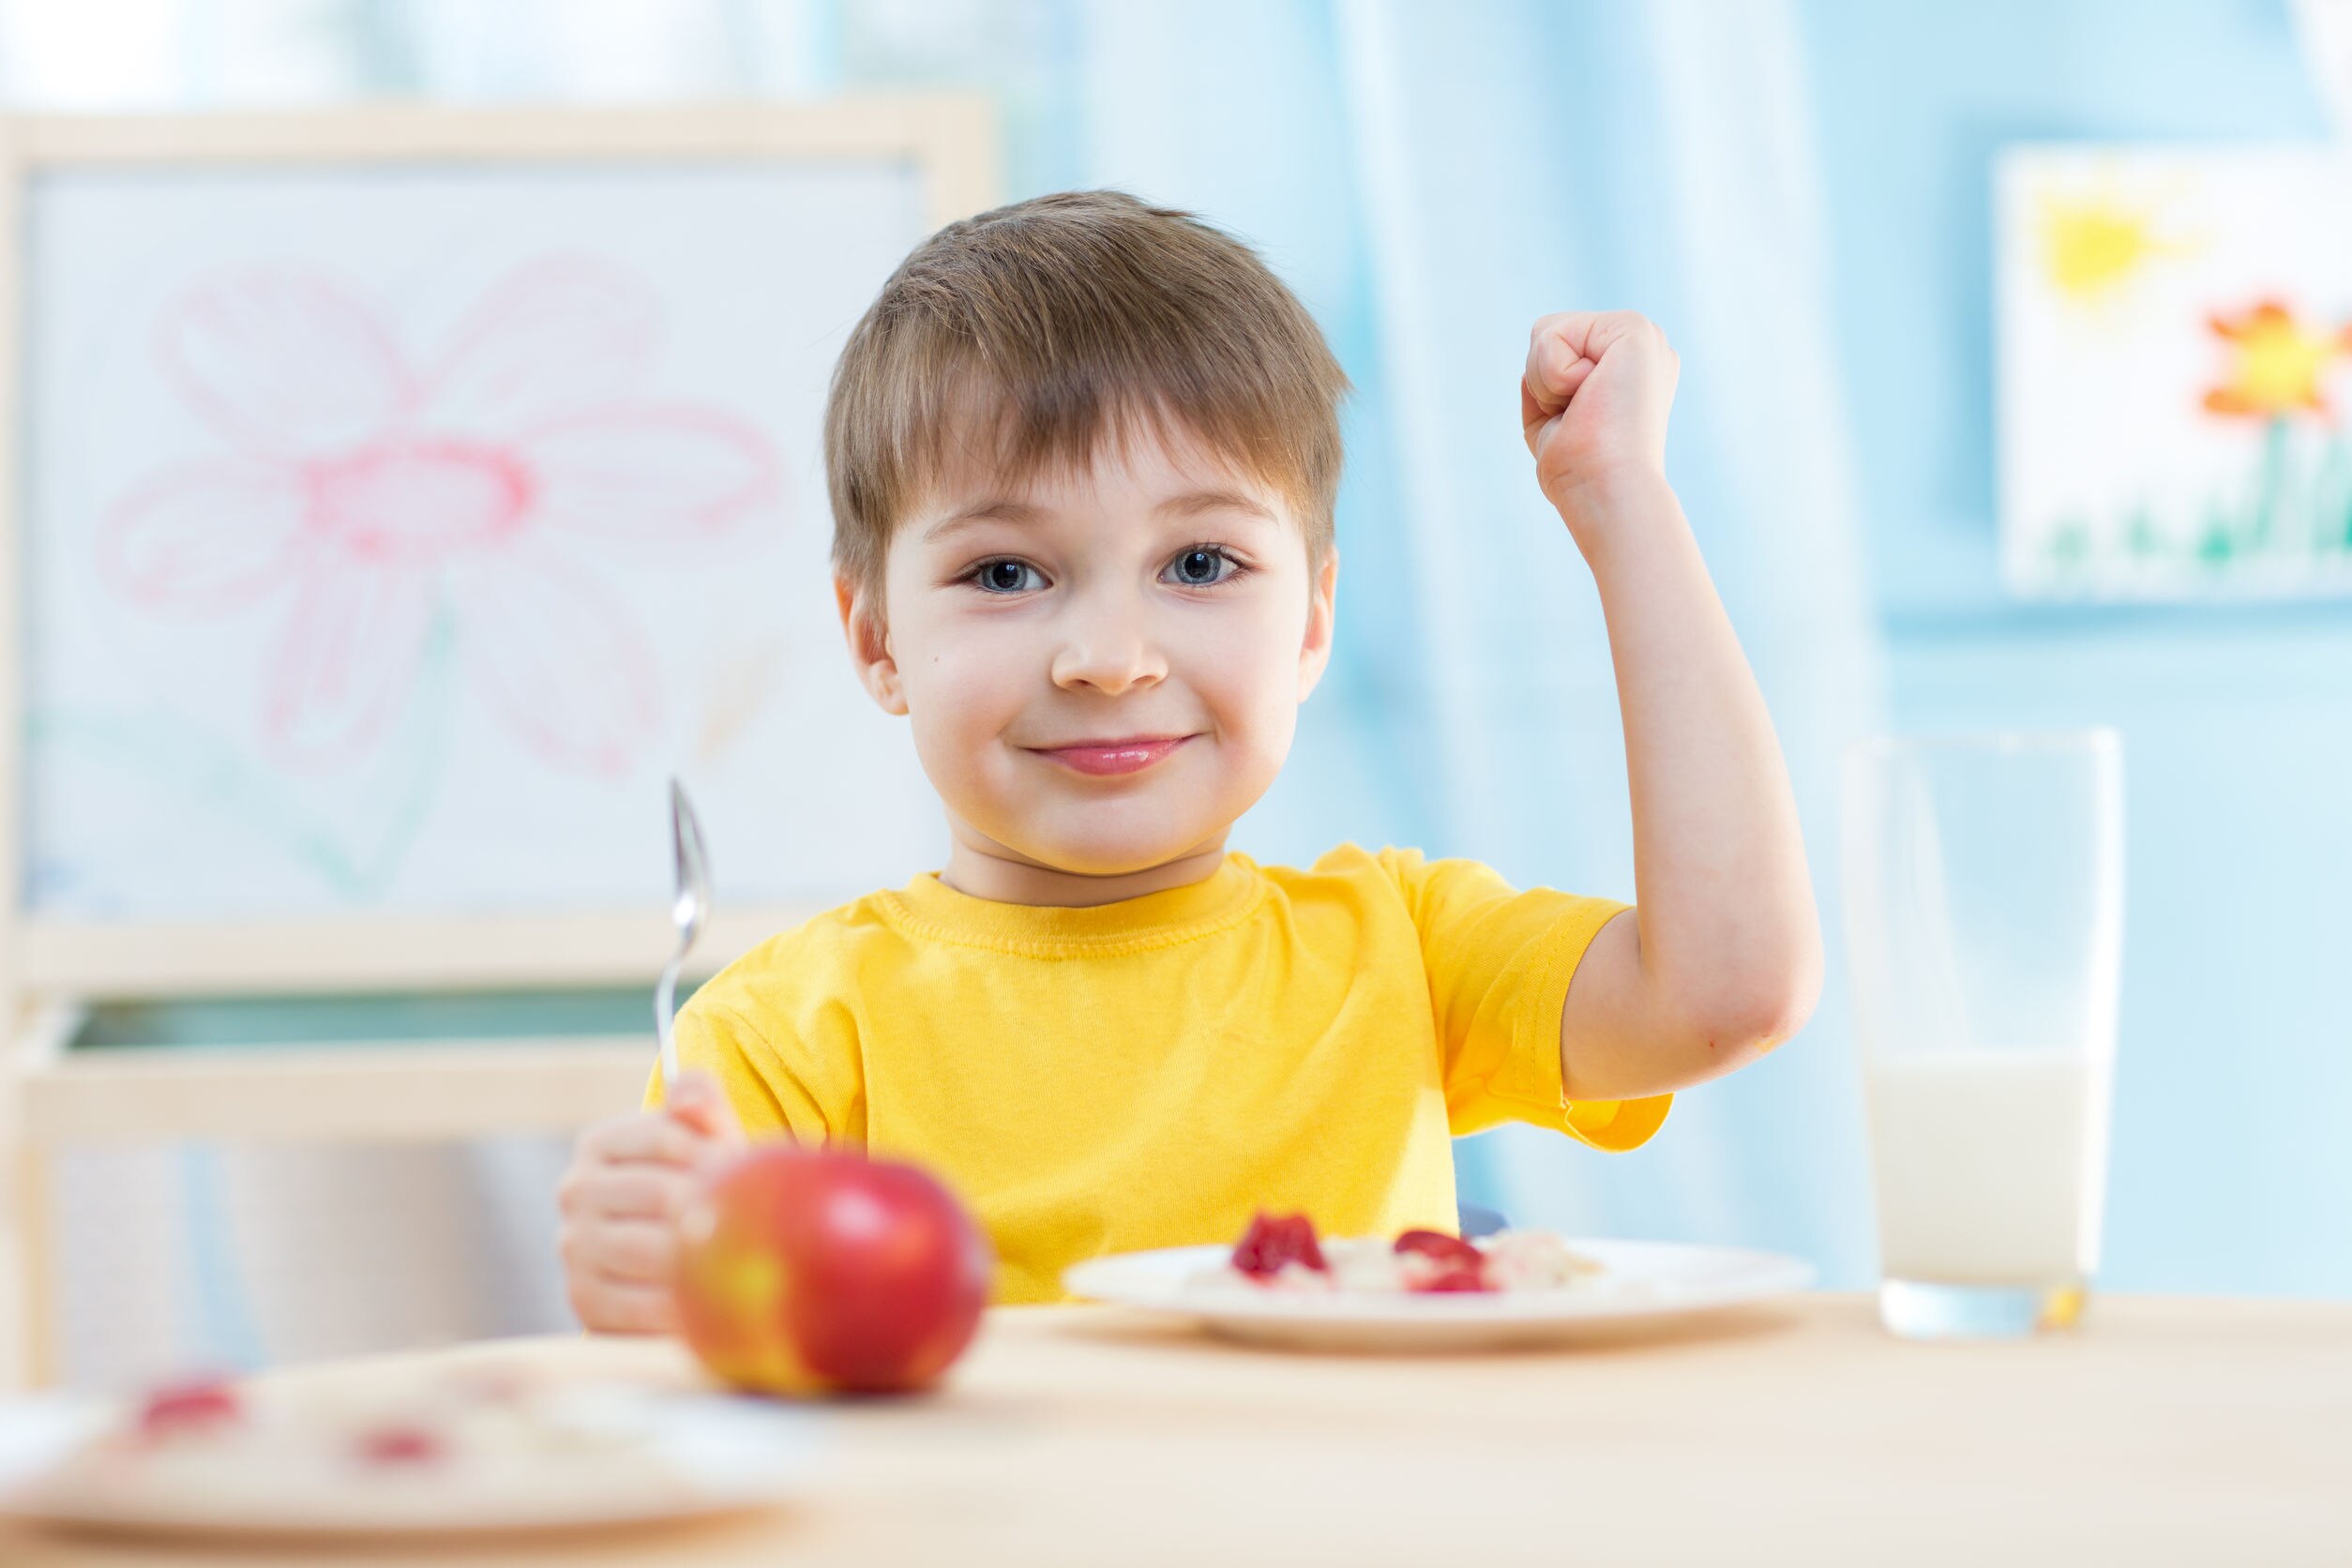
[689, 1454]
[1640, 1281]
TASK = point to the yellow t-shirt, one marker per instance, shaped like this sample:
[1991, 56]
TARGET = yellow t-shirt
[1149, 1073]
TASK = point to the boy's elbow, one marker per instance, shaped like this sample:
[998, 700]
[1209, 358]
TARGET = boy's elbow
[1774, 1015]
[1753, 1011]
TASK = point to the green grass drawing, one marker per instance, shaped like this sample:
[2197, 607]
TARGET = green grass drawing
[173, 754]
[2294, 517]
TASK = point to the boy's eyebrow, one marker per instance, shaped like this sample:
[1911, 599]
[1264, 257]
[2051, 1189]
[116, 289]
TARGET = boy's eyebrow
[1192, 503]
[1197, 502]
[999, 510]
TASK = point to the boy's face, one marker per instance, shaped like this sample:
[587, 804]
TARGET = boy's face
[1157, 598]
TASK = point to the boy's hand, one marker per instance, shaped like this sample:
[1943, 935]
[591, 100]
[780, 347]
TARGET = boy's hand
[1594, 402]
[628, 1182]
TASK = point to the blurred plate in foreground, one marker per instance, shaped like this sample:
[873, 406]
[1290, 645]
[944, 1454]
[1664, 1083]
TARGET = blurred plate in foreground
[444, 1455]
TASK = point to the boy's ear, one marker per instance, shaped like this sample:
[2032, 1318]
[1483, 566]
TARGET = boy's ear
[870, 645]
[1322, 611]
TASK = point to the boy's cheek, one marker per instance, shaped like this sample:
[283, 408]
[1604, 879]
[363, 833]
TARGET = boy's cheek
[959, 687]
[959, 740]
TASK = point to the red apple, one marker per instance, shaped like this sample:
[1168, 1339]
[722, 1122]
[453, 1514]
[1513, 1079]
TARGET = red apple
[805, 1270]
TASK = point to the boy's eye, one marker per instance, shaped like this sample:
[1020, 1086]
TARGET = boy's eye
[1002, 576]
[1203, 565]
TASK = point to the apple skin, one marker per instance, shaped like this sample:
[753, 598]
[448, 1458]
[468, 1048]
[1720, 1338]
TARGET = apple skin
[819, 1271]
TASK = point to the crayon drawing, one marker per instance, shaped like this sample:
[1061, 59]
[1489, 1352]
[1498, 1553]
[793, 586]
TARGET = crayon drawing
[2175, 380]
[364, 493]
[392, 534]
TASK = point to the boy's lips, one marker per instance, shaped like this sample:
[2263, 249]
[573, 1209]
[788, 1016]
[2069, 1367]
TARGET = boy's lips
[1131, 754]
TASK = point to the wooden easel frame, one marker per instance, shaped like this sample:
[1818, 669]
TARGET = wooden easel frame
[951, 138]
[51, 969]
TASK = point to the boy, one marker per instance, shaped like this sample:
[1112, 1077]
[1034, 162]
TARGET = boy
[1083, 454]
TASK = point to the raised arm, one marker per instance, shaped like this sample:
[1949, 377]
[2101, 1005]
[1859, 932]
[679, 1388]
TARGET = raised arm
[1721, 959]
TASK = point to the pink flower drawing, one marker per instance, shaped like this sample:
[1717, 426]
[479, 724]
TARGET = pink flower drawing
[379, 495]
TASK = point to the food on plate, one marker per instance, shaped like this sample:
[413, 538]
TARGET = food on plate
[1274, 1242]
[220, 1454]
[1436, 1263]
[402, 1444]
[812, 1270]
[1282, 1253]
[194, 1405]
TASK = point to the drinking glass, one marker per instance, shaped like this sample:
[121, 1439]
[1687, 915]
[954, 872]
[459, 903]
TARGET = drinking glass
[1983, 890]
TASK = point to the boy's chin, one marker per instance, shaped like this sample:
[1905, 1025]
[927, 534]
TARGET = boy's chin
[1105, 861]
[1105, 855]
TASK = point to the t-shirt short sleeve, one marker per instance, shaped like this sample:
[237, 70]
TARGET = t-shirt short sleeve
[1500, 961]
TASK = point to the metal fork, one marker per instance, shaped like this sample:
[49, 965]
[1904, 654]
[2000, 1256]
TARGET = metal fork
[686, 912]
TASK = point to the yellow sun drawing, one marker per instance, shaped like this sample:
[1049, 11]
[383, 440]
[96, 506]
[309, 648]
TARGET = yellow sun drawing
[2093, 243]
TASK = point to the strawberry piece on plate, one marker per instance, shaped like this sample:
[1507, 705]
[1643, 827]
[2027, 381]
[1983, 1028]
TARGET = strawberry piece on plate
[1274, 1241]
[196, 1406]
[400, 1445]
[1434, 1263]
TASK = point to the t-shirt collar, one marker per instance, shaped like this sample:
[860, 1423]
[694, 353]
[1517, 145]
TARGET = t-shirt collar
[1216, 902]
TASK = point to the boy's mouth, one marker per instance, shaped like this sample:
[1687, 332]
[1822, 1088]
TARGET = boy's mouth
[1132, 754]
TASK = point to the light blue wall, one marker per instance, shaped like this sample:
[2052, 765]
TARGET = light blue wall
[2232, 1163]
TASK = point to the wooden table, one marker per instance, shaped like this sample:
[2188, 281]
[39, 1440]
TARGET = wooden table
[2165, 1431]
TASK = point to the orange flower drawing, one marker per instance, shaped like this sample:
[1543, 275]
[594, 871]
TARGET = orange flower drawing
[2277, 366]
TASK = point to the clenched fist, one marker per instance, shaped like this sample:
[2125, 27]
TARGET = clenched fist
[1594, 402]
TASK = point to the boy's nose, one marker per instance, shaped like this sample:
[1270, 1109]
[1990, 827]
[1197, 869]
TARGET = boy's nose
[1109, 653]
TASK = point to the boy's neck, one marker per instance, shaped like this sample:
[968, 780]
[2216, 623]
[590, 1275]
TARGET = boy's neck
[983, 869]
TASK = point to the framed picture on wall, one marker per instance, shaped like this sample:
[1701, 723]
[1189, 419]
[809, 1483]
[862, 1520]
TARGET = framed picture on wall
[2174, 375]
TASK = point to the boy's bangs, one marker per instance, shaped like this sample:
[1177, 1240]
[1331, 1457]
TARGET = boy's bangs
[978, 424]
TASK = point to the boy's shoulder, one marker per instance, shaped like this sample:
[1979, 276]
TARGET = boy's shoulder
[1353, 864]
[821, 953]
[1396, 878]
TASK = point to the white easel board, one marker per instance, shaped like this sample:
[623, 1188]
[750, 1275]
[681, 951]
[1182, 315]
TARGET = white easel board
[399, 499]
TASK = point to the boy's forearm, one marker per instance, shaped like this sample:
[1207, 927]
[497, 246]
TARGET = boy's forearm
[1729, 950]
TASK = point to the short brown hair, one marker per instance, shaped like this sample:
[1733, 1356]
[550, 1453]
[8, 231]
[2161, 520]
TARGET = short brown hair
[1073, 319]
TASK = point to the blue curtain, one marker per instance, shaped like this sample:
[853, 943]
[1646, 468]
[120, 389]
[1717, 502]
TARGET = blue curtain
[1431, 180]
